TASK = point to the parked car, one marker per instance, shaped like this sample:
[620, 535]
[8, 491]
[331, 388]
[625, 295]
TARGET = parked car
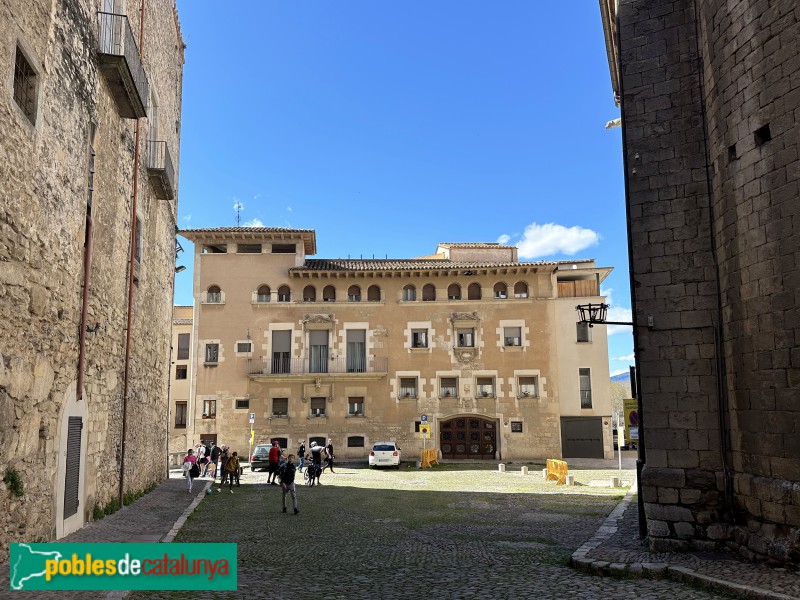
[385, 454]
[260, 457]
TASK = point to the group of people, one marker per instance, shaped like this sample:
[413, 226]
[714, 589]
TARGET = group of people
[219, 460]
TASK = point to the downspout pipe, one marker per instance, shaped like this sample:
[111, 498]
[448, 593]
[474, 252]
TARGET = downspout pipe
[131, 267]
[87, 264]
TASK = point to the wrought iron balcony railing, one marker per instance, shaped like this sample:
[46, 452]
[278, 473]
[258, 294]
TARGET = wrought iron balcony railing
[279, 365]
[160, 170]
[121, 65]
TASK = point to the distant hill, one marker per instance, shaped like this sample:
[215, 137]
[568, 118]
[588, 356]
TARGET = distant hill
[622, 377]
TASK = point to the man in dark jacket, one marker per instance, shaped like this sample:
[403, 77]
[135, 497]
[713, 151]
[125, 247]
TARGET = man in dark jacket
[274, 463]
[215, 452]
[287, 473]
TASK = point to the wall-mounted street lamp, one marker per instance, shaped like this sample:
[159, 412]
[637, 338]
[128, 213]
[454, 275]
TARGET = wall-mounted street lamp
[597, 313]
[180, 268]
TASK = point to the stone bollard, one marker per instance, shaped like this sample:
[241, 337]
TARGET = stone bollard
[570, 479]
[544, 474]
[502, 467]
[615, 481]
[524, 470]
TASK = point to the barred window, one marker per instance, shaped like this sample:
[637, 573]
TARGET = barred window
[25, 80]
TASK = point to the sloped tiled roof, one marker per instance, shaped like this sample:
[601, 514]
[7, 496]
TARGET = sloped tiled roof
[246, 230]
[308, 235]
[473, 245]
[414, 264]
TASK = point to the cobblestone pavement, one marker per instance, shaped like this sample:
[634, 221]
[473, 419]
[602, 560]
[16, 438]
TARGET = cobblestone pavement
[617, 549]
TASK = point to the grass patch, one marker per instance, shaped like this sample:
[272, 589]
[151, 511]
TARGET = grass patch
[99, 511]
[13, 480]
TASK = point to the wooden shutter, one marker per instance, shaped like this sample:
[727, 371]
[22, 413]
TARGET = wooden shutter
[72, 480]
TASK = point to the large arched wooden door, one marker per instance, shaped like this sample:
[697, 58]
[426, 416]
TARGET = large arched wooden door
[468, 437]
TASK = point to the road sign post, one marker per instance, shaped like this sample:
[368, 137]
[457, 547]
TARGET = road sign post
[250, 441]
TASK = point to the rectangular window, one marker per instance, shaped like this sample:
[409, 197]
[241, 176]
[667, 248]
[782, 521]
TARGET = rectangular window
[215, 249]
[137, 248]
[584, 332]
[466, 338]
[512, 336]
[355, 407]
[355, 441]
[280, 407]
[244, 346]
[516, 426]
[448, 387]
[180, 415]
[183, 346]
[25, 86]
[181, 371]
[419, 338]
[417, 425]
[356, 350]
[318, 407]
[242, 403]
[585, 377]
[318, 355]
[248, 248]
[528, 387]
[284, 248]
[485, 387]
[281, 347]
[408, 387]
[212, 353]
[209, 409]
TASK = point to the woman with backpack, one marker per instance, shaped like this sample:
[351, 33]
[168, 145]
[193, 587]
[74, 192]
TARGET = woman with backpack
[192, 470]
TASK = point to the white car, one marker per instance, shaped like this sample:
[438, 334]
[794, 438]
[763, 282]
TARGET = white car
[385, 454]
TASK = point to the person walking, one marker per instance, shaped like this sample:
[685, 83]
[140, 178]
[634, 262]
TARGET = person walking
[215, 453]
[301, 454]
[223, 461]
[274, 462]
[207, 458]
[287, 474]
[193, 470]
[329, 456]
[316, 463]
[232, 469]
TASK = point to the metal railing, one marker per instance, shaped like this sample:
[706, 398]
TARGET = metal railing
[116, 39]
[267, 365]
[159, 159]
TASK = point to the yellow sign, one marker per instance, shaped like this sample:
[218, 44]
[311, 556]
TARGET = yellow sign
[630, 408]
[252, 436]
[425, 431]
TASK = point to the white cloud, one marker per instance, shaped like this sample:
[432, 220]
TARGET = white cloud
[619, 314]
[544, 240]
[503, 239]
[288, 209]
[257, 196]
[187, 218]
[626, 358]
[253, 223]
[618, 372]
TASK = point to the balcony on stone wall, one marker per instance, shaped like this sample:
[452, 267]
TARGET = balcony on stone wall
[160, 170]
[118, 57]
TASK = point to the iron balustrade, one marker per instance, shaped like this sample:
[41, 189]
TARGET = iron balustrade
[116, 39]
[159, 165]
[283, 365]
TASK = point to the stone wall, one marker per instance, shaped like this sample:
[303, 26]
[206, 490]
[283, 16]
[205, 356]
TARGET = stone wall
[44, 178]
[710, 93]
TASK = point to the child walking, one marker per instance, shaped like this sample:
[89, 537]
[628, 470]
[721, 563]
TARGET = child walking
[232, 469]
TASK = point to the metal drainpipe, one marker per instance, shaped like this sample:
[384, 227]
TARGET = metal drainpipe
[131, 266]
[87, 263]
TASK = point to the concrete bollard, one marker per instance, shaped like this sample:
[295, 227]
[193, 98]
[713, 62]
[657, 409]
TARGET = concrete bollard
[544, 473]
[524, 470]
[615, 481]
[502, 467]
[570, 479]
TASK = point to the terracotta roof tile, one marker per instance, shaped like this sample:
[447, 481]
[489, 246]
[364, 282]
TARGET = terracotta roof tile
[414, 264]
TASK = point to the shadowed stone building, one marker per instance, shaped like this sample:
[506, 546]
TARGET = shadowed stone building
[89, 136]
[710, 98]
[485, 346]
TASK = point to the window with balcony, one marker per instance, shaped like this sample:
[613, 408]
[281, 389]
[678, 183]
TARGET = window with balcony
[373, 293]
[585, 377]
[242, 403]
[474, 291]
[448, 387]
[183, 346]
[409, 293]
[354, 294]
[309, 294]
[329, 294]
[263, 294]
[318, 407]
[214, 295]
[25, 82]
[209, 409]
[281, 351]
[465, 337]
[318, 351]
[500, 291]
[180, 415]
[356, 350]
[428, 292]
[355, 407]
[181, 372]
[419, 338]
[280, 407]
[454, 292]
[284, 294]
[520, 289]
[584, 332]
[528, 387]
[485, 387]
[408, 387]
[512, 336]
[212, 353]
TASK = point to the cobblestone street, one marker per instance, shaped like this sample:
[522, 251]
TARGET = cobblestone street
[459, 531]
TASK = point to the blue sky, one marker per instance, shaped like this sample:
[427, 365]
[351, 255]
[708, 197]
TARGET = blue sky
[389, 127]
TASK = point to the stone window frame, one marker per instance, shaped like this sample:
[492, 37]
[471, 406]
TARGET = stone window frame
[241, 404]
[26, 83]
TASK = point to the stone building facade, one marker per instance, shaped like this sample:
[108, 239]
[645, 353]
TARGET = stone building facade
[485, 346]
[180, 381]
[710, 98]
[89, 137]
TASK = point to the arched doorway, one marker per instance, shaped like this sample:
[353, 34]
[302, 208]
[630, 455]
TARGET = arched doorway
[469, 437]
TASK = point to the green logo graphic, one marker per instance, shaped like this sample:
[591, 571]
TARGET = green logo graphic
[123, 566]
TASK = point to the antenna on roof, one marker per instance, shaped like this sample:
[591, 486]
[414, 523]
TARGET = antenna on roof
[237, 206]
